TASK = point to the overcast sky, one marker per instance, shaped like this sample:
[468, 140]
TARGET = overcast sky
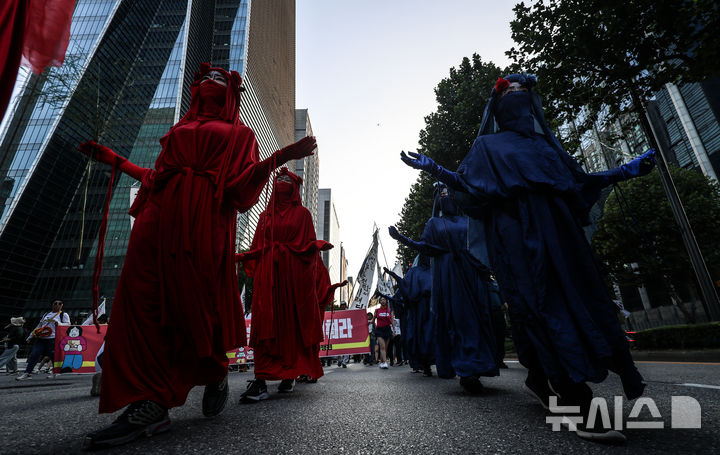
[366, 73]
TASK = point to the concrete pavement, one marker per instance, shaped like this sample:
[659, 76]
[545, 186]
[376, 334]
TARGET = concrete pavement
[362, 410]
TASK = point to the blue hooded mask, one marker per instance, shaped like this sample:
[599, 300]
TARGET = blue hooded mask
[444, 205]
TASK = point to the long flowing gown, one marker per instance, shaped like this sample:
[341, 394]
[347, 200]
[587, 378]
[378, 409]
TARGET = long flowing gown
[290, 290]
[177, 305]
[528, 201]
[459, 301]
[416, 321]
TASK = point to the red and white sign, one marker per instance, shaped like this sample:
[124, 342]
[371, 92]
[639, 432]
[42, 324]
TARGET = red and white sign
[76, 348]
[345, 332]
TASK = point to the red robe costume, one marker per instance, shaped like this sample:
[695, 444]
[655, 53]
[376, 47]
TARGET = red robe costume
[177, 305]
[290, 287]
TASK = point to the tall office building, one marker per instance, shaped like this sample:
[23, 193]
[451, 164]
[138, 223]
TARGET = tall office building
[691, 113]
[328, 229]
[307, 168]
[126, 80]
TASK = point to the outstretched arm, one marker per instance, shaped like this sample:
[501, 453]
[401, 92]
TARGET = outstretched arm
[105, 155]
[300, 149]
[642, 165]
[395, 276]
[422, 162]
[394, 233]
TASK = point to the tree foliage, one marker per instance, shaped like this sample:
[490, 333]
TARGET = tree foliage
[447, 137]
[598, 52]
[648, 229]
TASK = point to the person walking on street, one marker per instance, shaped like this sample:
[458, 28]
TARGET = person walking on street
[13, 340]
[44, 336]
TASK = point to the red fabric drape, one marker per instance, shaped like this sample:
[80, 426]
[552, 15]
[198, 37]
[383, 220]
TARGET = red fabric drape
[32, 32]
[177, 306]
[12, 32]
[47, 33]
[286, 319]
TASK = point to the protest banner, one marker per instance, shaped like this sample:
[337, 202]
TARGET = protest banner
[345, 332]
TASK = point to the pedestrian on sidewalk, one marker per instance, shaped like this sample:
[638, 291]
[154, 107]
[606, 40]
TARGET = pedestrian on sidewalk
[43, 337]
[14, 338]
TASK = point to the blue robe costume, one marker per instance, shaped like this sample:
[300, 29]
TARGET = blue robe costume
[528, 200]
[416, 322]
[459, 301]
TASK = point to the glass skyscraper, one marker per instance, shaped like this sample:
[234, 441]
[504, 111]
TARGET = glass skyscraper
[125, 81]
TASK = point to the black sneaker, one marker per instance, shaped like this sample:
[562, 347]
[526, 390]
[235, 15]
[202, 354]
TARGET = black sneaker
[215, 398]
[537, 387]
[286, 386]
[601, 435]
[142, 418]
[471, 384]
[256, 391]
[427, 371]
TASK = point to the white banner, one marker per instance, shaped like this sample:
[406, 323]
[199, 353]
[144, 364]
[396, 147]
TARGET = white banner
[398, 270]
[363, 284]
[384, 287]
[101, 310]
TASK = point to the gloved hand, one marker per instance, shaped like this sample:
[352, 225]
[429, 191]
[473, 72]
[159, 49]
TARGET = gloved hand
[394, 233]
[642, 165]
[420, 161]
[100, 153]
[302, 148]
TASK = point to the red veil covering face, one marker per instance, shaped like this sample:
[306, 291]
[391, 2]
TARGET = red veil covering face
[290, 286]
[177, 305]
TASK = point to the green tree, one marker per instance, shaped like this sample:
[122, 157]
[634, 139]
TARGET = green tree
[637, 227]
[447, 137]
[608, 56]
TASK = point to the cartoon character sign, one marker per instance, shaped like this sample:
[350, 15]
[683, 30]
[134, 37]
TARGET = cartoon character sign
[241, 355]
[73, 345]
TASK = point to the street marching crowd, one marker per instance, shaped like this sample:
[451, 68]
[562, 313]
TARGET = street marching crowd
[505, 231]
[505, 234]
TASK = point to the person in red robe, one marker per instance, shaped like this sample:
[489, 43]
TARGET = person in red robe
[177, 305]
[291, 289]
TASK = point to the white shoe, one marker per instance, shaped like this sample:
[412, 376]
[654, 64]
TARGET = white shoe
[23, 377]
[51, 376]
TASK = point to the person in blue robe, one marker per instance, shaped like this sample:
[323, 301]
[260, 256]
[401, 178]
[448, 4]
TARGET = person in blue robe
[416, 323]
[528, 200]
[465, 344]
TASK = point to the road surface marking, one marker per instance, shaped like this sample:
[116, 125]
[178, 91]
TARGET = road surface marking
[704, 386]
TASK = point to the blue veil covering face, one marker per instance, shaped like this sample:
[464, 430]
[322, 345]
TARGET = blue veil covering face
[527, 199]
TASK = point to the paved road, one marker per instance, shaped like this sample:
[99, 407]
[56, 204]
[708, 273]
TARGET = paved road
[362, 410]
